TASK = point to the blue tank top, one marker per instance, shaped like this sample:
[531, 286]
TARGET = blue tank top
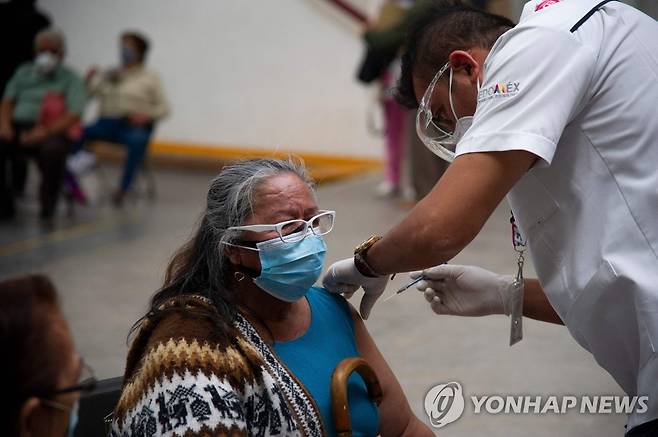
[313, 357]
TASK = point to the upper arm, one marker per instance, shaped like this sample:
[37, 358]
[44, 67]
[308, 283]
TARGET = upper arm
[536, 79]
[396, 417]
[209, 401]
[158, 95]
[12, 88]
[162, 374]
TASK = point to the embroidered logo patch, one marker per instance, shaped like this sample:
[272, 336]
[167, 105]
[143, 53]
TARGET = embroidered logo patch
[498, 90]
[545, 3]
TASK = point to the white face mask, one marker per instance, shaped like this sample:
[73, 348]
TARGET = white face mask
[441, 141]
[46, 62]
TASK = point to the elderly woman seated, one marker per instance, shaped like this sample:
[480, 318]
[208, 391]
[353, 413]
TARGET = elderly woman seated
[238, 341]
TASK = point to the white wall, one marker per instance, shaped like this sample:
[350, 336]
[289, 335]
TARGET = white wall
[255, 73]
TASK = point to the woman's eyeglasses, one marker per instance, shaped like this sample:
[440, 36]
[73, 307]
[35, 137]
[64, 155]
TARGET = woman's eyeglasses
[86, 383]
[293, 231]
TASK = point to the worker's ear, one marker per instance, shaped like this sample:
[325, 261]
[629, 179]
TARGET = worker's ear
[463, 61]
[27, 417]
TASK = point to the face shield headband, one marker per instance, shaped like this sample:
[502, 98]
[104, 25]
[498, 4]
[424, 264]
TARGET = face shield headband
[434, 132]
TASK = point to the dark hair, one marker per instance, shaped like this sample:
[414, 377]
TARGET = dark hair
[443, 27]
[141, 42]
[32, 360]
[200, 266]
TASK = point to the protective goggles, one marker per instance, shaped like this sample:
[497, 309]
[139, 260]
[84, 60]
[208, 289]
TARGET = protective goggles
[293, 231]
[438, 134]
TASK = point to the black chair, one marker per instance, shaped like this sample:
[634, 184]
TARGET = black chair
[96, 406]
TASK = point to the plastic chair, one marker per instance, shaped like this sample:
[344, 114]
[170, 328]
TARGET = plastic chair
[97, 406]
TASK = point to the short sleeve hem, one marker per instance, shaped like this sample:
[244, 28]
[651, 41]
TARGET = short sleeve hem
[506, 141]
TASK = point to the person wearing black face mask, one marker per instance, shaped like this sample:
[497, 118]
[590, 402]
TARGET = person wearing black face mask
[132, 100]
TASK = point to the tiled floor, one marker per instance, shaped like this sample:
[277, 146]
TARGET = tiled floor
[107, 263]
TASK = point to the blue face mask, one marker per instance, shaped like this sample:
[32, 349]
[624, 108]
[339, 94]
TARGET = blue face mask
[128, 55]
[288, 270]
[73, 420]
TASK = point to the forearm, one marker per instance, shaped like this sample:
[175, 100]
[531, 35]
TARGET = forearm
[536, 304]
[452, 214]
[6, 109]
[62, 123]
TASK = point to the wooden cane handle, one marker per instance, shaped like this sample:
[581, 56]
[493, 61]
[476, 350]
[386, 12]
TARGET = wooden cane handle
[339, 401]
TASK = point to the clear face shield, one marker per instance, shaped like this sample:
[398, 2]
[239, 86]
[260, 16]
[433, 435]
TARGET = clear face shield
[439, 134]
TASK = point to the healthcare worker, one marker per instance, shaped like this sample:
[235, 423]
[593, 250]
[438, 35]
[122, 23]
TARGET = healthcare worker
[565, 123]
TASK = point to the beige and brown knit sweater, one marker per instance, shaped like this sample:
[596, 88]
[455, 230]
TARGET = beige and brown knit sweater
[187, 377]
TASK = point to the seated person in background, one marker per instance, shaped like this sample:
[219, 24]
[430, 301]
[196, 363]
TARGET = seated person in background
[238, 341]
[43, 374]
[30, 127]
[132, 100]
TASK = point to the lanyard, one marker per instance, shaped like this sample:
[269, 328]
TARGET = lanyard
[516, 310]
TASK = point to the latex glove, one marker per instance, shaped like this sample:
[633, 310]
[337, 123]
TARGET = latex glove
[466, 290]
[344, 278]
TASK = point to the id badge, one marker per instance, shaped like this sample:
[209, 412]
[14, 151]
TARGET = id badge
[516, 314]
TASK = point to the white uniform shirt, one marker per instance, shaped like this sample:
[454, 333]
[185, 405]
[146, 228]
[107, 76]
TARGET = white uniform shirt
[585, 100]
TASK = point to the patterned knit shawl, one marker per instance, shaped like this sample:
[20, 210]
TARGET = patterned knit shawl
[186, 377]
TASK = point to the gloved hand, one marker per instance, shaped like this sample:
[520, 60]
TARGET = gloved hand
[343, 277]
[466, 290]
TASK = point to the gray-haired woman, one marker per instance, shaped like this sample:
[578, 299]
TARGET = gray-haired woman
[238, 341]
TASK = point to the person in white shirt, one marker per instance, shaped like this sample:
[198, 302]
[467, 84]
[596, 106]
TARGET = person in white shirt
[558, 113]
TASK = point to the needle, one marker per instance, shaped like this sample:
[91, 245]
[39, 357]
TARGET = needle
[406, 287]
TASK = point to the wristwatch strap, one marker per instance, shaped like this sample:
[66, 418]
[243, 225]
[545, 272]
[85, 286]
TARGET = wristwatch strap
[362, 266]
[360, 257]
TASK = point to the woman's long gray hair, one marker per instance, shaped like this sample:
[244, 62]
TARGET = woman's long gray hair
[201, 266]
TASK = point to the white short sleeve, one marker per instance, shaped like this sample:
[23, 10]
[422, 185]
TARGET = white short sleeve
[534, 82]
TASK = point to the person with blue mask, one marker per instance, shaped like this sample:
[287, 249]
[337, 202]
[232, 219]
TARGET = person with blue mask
[239, 341]
[132, 101]
[44, 374]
